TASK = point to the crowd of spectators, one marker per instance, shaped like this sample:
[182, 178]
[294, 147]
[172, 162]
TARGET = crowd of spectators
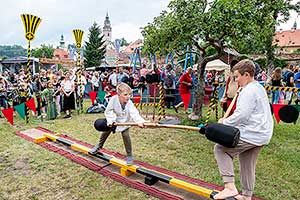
[60, 89]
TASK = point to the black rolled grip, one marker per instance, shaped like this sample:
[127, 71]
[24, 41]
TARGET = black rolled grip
[227, 136]
[113, 128]
[101, 125]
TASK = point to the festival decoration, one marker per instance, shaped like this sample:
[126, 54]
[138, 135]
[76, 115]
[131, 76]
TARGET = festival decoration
[31, 24]
[9, 115]
[20, 110]
[93, 96]
[78, 34]
[113, 93]
[276, 108]
[31, 105]
[101, 95]
[136, 99]
[297, 107]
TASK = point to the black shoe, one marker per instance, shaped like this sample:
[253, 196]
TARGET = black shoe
[176, 109]
[95, 149]
[67, 116]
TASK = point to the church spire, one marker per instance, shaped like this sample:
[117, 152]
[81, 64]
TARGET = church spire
[62, 42]
[295, 25]
[107, 29]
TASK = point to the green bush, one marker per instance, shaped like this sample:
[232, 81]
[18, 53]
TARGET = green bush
[277, 62]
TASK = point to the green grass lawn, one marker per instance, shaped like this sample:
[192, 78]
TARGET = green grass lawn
[29, 171]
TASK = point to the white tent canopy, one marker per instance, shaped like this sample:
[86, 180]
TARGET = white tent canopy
[217, 65]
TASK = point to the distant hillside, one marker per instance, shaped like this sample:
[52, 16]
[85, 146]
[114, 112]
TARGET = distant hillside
[7, 51]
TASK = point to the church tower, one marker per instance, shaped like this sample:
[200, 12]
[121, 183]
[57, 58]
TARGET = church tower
[295, 25]
[107, 29]
[62, 42]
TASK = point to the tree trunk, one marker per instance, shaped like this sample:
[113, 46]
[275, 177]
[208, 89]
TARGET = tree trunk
[199, 93]
[198, 98]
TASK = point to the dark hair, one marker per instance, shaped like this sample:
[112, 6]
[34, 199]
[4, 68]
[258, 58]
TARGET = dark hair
[233, 62]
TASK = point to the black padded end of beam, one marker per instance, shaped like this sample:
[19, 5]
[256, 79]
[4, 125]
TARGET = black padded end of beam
[160, 177]
[212, 194]
[150, 180]
[102, 156]
[64, 141]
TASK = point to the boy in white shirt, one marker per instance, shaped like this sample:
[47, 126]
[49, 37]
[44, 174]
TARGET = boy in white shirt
[121, 109]
[253, 118]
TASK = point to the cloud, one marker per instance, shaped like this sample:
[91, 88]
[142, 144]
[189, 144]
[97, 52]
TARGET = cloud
[61, 17]
[129, 31]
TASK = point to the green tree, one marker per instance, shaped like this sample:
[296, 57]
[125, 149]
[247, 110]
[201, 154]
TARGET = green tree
[200, 24]
[269, 14]
[8, 51]
[95, 48]
[43, 52]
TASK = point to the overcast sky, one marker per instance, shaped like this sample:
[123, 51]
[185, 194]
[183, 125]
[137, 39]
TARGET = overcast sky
[62, 16]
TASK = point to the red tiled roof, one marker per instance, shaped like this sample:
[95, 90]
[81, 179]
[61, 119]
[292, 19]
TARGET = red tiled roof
[60, 54]
[285, 56]
[130, 48]
[289, 38]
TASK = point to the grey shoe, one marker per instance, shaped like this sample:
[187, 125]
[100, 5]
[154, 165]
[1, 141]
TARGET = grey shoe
[95, 149]
[129, 160]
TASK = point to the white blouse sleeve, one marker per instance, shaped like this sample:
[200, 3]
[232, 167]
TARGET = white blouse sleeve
[134, 113]
[109, 113]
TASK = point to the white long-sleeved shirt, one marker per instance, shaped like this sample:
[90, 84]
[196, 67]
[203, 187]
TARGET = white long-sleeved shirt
[252, 115]
[113, 79]
[115, 113]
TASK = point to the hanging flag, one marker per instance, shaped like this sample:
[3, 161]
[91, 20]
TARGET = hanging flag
[113, 93]
[93, 96]
[186, 100]
[101, 95]
[9, 115]
[297, 107]
[21, 110]
[276, 108]
[31, 105]
[136, 99]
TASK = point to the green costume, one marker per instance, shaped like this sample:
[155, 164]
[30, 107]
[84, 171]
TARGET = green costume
[49, 95]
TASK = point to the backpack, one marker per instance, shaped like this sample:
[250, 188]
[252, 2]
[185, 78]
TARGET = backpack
[97, 108]
[285, 76]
